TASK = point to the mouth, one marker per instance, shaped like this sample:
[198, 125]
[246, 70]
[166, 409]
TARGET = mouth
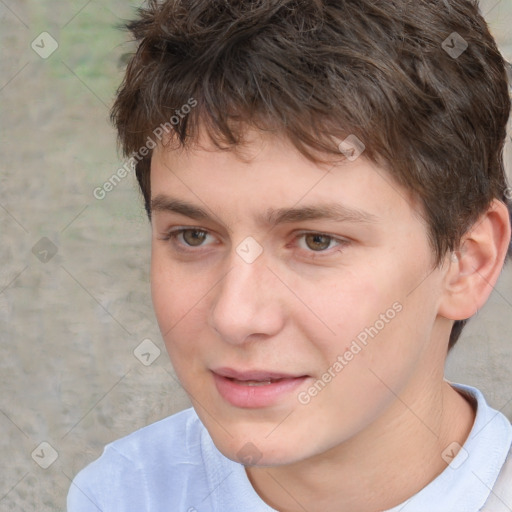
[255, 388]
[254, 377]
[254, 382]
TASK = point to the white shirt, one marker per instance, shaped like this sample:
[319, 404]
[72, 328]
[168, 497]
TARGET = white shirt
[173, 466]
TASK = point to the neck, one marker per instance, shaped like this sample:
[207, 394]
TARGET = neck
[384, 465]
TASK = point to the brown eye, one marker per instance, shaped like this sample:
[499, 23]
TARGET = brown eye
[194, 237]
[317, 242]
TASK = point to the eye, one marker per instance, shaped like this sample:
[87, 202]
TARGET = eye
[319, 242]
[312, 243]
[186, 237]
[316, 241]
[194, 237]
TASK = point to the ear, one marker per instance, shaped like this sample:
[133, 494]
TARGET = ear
[473, 270]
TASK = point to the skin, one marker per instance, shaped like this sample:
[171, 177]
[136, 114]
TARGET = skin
[374, 435]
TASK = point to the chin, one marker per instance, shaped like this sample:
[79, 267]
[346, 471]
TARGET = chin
[258, 454]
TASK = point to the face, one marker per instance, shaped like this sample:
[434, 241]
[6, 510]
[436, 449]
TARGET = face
[292, 297]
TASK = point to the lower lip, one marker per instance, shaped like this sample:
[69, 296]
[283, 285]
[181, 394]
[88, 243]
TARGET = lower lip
[252, 397]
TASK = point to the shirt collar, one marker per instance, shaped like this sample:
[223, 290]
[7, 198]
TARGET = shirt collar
[466, 482]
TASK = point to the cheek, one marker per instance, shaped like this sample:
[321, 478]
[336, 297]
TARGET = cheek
[370, 316]
[386, 347]
[340, 307]
[178, 298]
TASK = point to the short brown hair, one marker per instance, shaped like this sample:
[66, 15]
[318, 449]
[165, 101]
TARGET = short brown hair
[381, 70]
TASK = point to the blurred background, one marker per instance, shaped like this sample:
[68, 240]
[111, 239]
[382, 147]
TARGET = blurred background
[81, 358]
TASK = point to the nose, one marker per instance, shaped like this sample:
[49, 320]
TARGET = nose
[247, 304]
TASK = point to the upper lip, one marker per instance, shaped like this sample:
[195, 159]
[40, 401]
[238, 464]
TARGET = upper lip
[253, 374]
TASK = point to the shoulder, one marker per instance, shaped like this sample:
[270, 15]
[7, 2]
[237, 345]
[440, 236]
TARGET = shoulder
[152, 461]
[177, 435]
[501, 494]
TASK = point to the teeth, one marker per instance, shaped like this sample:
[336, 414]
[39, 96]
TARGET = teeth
[254, 382]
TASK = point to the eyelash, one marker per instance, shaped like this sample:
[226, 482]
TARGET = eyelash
[172, 236]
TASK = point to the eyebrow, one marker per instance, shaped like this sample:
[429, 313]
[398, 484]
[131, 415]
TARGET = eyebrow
[273, 217]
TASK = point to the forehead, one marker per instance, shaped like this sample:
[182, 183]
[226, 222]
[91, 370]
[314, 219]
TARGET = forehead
[269, 177]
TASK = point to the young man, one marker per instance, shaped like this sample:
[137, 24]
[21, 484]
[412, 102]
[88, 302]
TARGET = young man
[325, 185]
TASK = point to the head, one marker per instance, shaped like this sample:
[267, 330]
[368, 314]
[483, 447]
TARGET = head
[246, 109]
